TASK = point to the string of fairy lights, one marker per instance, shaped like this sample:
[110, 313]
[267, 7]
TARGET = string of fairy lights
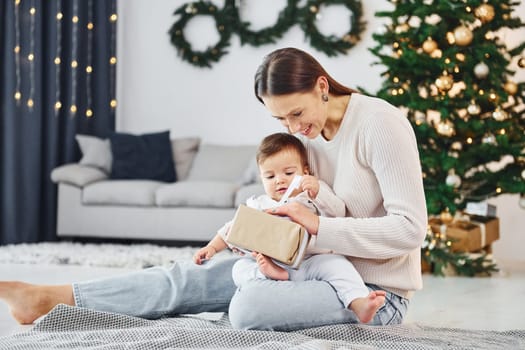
[16, 50]
[89, 60]
[74, 59]
[25, 56]
[31, 55]
[113, 58]
[58, 54]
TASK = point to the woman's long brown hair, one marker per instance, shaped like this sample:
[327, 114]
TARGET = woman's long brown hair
[290, 70]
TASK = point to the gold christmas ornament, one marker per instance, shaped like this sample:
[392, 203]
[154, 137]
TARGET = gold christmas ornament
[446, 217]
[485, 13]
[511, 87]
[450, 38]
[521, 62]
[460, 57]
[523, 174]
[457, 146]
[499, 114]
[429, 45]
[473, 108]
[463, 36]
[462, 113]
[403, 27]
[444, 82]
[433, 19]
[436, 53]
[445, 128]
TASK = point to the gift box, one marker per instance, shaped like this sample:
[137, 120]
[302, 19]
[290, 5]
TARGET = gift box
[280, 239]
[468, 235]
[480, 209]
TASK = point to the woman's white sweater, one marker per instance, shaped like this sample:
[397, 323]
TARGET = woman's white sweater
[373, 165]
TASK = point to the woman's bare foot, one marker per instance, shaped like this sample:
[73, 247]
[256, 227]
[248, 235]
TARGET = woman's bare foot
[28, 302]
[365, 308]
[270, 269]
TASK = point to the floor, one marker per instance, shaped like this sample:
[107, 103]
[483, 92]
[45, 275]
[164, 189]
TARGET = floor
[488, 303]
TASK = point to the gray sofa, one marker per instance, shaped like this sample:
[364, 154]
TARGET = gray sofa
[212, 180]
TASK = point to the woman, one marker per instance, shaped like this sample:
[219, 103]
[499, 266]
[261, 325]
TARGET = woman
[364, 149]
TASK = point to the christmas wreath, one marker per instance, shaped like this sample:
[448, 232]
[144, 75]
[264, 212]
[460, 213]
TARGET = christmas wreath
[223, 22]
[331, 45]
[228, 21]
[285, 20]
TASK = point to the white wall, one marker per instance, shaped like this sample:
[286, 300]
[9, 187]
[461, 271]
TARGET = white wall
[156, 90]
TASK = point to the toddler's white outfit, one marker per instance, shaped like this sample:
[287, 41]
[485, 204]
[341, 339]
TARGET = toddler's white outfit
[318, 264]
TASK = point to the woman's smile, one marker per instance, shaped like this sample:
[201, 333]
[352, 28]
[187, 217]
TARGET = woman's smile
[307, 130]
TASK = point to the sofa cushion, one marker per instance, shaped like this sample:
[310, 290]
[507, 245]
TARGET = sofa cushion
[248, 191]
[146, 157]
[251, 173]
[184, 150]
[221, 162]
[218, 194]
[76, 174]
[96, 152]
[121, 192]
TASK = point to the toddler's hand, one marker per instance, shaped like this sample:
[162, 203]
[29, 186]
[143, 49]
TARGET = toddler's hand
[203, 254]
[310, 184]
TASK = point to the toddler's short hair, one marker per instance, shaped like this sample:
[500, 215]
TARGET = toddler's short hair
[278, 142]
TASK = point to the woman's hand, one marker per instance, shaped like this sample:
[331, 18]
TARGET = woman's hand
[203, 254]
[310, 184]
[298, 213]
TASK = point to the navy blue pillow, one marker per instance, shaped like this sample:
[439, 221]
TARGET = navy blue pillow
[146, 157]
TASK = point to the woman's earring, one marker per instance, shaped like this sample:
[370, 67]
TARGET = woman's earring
[325, 97]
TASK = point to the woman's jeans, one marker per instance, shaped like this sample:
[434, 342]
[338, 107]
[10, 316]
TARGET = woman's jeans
[187, 288]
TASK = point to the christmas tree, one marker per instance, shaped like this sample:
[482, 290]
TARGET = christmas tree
[449, 67]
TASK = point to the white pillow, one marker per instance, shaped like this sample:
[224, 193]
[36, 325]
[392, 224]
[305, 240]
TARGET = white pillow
[77, 174]
[221, 162]
[184, 150]
[251, 174]
[96, 152]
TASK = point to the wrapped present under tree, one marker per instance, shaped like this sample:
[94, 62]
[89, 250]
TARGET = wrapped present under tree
[469, 234]
[461, 245]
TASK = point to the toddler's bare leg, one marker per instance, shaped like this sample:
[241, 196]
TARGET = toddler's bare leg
[28, 302]
[270, 269]
[365, 308]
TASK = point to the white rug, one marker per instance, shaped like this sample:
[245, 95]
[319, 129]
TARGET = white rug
[101, 255]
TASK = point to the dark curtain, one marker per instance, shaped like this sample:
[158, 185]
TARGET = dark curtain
[56, 81]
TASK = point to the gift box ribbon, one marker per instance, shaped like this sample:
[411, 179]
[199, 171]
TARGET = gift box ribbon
[483, 231]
